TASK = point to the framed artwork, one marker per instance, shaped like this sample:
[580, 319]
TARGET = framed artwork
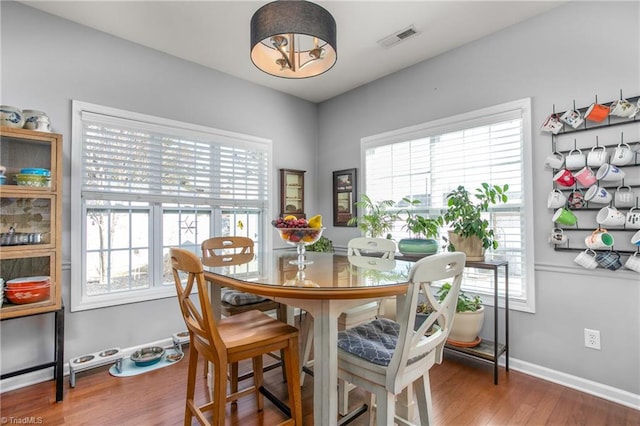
[344, 196]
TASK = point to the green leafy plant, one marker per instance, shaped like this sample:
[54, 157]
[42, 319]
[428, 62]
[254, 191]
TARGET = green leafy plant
[377, 221]
[418, 225]
[324, 244]
[465, 303]
[465, 217]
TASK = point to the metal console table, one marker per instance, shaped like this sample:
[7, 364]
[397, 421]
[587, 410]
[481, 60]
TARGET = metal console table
[491, 350]
[58, 353]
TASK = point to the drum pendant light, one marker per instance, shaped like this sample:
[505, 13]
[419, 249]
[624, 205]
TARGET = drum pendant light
[293, 39]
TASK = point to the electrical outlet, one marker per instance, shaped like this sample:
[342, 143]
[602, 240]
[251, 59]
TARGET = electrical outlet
[592, 339]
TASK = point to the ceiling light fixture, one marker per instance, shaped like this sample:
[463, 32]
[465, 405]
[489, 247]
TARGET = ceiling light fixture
[293, 39]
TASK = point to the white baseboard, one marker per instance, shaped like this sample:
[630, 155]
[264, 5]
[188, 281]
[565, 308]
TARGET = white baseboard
[600, 390]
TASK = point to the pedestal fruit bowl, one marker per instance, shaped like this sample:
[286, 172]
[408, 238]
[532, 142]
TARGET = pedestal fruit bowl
[299, 233]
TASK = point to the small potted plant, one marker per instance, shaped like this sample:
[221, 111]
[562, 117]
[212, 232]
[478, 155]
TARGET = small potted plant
[423, 232]
[469, 231]
[377, 221]
[468, 319]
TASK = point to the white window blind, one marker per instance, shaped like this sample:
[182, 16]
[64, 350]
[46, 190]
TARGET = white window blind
[140, 160]
[428, 161]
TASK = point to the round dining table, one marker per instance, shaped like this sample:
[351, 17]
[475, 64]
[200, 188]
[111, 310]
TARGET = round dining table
[326, 286]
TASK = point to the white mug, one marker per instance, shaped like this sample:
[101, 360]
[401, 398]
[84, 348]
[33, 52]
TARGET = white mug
[597, 194]
[557, 236]
[623, 108]
[609, 216]
[609, 172]
[556, 199]
[599, 239]
[587, 259]
[636, 239]
[624, 197]
[633, 263]
[572, 117]
[622, 155]
[633, 218]
[554, 161]
[575, 160]
[552, 124]
[597, 156]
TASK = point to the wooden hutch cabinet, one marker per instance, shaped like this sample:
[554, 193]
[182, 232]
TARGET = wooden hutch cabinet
[30, 216]
[292, 193]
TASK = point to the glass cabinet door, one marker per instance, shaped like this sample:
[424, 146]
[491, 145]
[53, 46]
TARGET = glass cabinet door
[292, 192]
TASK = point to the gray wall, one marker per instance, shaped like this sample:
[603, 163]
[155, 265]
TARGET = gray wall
[47, 62]
[548, 59]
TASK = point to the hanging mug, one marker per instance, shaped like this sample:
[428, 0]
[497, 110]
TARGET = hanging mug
[622, 155]
[597, 156]
[624, 196]
[576, 200]
[575, 160]
[633, 218]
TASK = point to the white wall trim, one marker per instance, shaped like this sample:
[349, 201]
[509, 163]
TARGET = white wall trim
[600, 390]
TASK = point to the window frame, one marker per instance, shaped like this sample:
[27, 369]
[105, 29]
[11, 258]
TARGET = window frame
[78, 295]
[469, 120]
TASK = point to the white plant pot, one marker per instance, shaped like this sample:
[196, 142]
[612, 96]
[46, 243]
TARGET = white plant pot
[467, 325]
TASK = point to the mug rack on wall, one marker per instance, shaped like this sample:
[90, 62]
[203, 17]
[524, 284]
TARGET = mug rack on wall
[569, 139]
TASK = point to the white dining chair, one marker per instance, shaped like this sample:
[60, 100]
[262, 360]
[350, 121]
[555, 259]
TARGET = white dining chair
[358, 249]
[384, 357]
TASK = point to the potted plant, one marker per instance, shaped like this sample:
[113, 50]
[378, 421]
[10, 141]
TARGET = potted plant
[423, 232]
[468, 319]
[469, 231]
[324, 245]
[377, 221]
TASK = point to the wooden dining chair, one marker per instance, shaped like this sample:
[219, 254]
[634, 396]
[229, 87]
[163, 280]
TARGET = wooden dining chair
[229, 251]
[384, 357]
[247, 335]
[359, 249]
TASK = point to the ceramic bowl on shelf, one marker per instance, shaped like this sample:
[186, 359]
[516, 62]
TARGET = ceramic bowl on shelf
[35, 171]
[38, 181]
[11, 116]
[25, 283]
[147, 356]
[21, 296]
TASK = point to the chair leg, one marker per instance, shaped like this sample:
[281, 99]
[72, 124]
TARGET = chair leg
[191, 385]
[385, 408]
[258, 380]
[291, 363]
[422, 389]
[281, 314]
[219, 395]
[234, 379]
[343, 397]
[372, 407]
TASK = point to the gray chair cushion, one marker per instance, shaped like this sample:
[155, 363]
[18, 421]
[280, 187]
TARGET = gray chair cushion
[239, 298]
[374, 341]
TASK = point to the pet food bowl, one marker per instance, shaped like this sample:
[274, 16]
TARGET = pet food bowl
[147, 356]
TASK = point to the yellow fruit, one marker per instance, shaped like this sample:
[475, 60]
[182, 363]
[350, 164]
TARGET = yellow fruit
[315, 222]
[290, 217]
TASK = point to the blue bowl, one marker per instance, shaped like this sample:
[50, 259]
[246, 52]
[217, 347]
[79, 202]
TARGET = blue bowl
[33, 171]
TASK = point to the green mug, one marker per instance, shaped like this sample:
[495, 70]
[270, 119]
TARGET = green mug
[565, 217]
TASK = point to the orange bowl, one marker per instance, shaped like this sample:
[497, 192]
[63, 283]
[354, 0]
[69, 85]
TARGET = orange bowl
[21, 296]
[27, 282]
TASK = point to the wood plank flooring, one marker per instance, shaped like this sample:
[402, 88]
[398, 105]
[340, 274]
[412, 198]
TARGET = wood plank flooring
[462, 388]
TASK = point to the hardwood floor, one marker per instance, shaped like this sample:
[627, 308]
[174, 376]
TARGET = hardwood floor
[462, 389]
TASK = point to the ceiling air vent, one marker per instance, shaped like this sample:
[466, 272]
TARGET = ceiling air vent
[398, 36]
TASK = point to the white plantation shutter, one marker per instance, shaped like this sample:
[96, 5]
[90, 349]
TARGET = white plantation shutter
[426, 162]
[138, 160]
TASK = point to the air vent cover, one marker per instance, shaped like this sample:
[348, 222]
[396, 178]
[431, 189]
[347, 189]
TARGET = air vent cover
[398, 36]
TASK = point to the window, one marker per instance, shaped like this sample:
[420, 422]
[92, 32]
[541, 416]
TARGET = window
[427, 161]
[141, 185]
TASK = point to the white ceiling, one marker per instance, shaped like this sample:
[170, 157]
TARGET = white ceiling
[216, 33]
